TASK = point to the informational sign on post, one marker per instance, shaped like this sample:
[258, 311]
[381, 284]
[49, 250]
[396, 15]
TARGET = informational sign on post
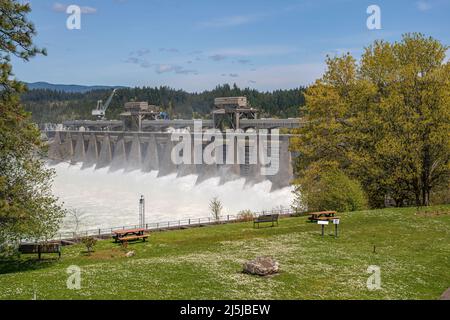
[323, 223]
[336, 222]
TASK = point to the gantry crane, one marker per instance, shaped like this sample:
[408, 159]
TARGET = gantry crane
[100, 111]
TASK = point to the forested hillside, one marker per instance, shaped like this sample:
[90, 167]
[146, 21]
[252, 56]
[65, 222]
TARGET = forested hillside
[65, 87]
[49, 106]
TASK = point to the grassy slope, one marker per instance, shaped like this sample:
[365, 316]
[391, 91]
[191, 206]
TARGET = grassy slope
[413, 252]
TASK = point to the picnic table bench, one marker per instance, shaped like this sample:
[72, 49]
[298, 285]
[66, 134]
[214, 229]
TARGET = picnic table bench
[40, 248]
[328, 215]
[130, 235]
[266, 218]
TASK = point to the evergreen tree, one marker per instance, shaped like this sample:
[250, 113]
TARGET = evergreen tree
[27, 208]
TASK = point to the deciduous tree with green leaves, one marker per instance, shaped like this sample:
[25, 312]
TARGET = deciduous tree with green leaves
[28, 210]
[385, 120]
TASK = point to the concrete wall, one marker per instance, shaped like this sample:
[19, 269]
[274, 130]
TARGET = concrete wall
[152, 151]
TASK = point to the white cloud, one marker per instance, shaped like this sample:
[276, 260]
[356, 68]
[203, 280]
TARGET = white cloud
[88, 10]
[162, 68]
[59, 7]
[251, 51]
[423, 5]
[426, 5]
[283, 76]
[263, 78]
[218, 57]
[165, 68]
[138, 61]
[231, 21]
[243, 61]
[447, 56]
[141, 52]
[170, 50]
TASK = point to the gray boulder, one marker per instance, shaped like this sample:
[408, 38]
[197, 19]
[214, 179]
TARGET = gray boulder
[130, 254]
[262, 266]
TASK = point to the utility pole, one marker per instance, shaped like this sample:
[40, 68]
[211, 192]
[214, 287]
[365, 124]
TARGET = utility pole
[142, 212]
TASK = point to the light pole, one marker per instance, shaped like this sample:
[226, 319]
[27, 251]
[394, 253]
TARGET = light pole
[142, 212]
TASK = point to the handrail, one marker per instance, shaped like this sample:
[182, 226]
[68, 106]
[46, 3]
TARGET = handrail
[161, 225]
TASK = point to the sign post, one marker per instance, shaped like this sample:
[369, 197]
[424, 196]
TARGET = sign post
[336, 224]
[322, 223]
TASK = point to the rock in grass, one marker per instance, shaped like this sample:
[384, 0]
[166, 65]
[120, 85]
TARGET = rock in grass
[130, 254]
[446, 295]
[261, 266]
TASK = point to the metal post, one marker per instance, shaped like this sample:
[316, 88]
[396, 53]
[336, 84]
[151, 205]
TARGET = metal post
[323, 230]
[142, 212]
[336, 230]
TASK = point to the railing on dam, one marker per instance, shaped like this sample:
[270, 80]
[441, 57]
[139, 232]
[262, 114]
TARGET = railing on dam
[161, 125]
[172, 224]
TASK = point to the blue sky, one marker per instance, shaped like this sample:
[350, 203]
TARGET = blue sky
[197, 44]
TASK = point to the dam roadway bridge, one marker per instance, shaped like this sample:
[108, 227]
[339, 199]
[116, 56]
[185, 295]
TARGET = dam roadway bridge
[152, 151]
[162, 125]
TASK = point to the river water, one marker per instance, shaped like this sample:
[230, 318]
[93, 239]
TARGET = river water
[106, 199]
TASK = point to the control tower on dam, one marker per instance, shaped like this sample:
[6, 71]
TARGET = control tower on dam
[251, 148]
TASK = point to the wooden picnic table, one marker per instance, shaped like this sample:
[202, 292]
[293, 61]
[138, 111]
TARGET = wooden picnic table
[314, 216]
[128, 233]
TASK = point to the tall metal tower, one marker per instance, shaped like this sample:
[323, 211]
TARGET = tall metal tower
[142, 212]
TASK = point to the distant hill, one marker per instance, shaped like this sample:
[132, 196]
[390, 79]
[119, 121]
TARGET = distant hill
[67, 87]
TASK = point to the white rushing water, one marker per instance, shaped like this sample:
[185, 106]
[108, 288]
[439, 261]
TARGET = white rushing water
[110, 199]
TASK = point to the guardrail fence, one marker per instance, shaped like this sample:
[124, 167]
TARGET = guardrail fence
[174, 224]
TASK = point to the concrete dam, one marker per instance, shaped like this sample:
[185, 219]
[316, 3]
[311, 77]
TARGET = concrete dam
[103, 166]
[152, 151]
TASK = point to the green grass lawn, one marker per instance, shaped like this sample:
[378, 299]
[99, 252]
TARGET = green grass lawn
[412, 250]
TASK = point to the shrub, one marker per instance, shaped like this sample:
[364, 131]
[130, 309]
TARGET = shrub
[89, 242]
[9, 251]
[441, 196]
[245, 215]
[328, 188]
